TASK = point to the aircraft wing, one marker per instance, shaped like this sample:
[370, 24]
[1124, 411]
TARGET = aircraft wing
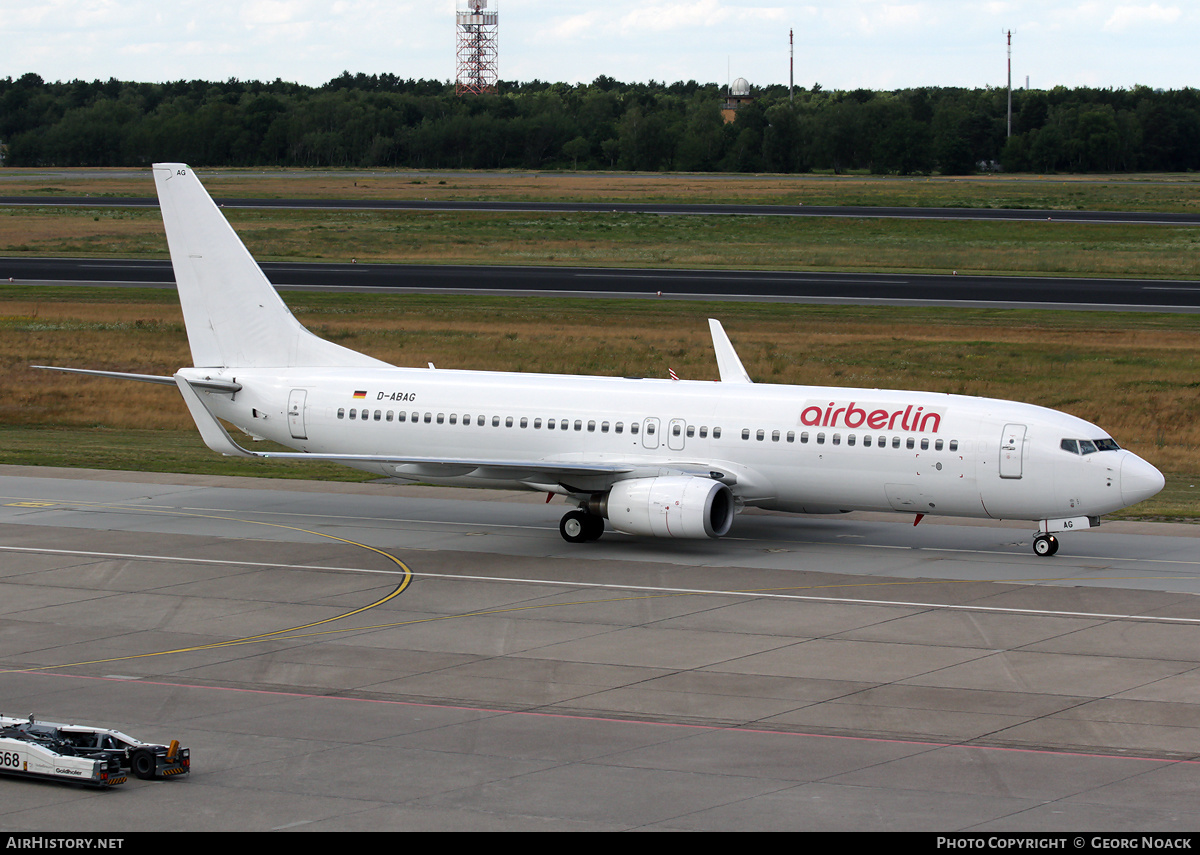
[575, 477]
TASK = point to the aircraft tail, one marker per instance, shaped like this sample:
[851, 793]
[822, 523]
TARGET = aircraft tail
[233, 315]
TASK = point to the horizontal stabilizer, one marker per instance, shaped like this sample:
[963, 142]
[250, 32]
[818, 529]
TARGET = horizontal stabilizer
[209, 384]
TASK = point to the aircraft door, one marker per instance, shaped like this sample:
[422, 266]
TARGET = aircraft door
[675, 434]
[650, 433]
[1012, 451]
[296, 413]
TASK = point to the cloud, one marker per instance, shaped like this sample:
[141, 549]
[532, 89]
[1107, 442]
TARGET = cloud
[572, 27]
[1127, 17]
[705, 13]
[267, 12]
[870, 18]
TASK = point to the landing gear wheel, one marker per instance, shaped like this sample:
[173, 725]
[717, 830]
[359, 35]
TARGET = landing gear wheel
[1045, 545]
[580, 527]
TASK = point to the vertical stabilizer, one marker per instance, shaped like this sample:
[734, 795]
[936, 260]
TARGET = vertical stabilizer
[234, 317]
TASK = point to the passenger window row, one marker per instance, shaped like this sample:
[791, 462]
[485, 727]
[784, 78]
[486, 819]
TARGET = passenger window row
[592, 426]
[852, 439]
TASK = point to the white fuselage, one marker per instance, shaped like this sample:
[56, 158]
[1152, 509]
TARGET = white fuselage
[659, 458]
[792, 448]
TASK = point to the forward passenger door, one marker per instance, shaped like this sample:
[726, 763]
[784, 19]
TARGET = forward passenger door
[1012, 451]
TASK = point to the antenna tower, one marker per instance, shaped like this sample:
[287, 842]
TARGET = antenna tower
[1010, 83]
[791, 67]
[477, 29]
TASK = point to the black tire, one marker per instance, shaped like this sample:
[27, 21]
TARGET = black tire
[142, 764]
[580, 527]
[594, 527]
[573, 527]
[1044, 545]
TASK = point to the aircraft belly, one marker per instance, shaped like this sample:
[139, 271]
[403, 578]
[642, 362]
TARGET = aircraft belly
[945, 485]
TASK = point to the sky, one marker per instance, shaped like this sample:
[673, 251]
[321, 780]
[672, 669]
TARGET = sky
[840, 44]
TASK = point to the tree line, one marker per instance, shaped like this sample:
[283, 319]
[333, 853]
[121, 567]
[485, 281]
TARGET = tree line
[381, 120]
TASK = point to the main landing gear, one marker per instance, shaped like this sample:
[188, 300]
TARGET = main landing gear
[580, 527]
[1045, 545]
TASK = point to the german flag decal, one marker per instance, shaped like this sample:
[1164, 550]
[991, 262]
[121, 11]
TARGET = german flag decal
[362, 394]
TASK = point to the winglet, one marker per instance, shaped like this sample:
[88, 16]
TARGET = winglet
[727, 359]
[211, 431]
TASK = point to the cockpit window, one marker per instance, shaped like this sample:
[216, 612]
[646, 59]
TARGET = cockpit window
[1087, 446]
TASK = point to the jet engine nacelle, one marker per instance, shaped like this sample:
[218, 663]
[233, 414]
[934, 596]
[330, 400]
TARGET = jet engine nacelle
[671, 506]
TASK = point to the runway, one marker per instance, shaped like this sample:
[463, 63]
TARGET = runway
[754, 285]
[351, 657]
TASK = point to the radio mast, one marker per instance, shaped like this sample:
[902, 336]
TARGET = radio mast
[791, 67]
[1010, 83]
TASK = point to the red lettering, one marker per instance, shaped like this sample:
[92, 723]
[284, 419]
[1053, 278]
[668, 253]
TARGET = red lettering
[835, 414]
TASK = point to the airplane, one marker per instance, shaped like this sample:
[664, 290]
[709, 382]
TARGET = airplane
[654, 457]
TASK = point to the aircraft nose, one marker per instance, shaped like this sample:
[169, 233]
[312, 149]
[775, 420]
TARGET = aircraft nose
[1139, 480]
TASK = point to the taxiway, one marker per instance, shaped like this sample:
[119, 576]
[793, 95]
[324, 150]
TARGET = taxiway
[1158, 295]
[344, 657]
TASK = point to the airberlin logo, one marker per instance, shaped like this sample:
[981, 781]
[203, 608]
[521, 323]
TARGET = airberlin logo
[917, 419]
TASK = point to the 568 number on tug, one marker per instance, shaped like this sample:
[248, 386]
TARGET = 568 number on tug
[91, 756]
[35, 758]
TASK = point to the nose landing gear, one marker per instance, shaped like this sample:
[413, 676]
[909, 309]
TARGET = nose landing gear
[1045, 545]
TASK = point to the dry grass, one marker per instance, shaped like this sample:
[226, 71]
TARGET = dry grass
[620, 240]
[81, 232]
[606, 240]
[1179, 192]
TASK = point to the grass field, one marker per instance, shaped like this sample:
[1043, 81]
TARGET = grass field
[1157, 192]
[637, 240]
[616, 240]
